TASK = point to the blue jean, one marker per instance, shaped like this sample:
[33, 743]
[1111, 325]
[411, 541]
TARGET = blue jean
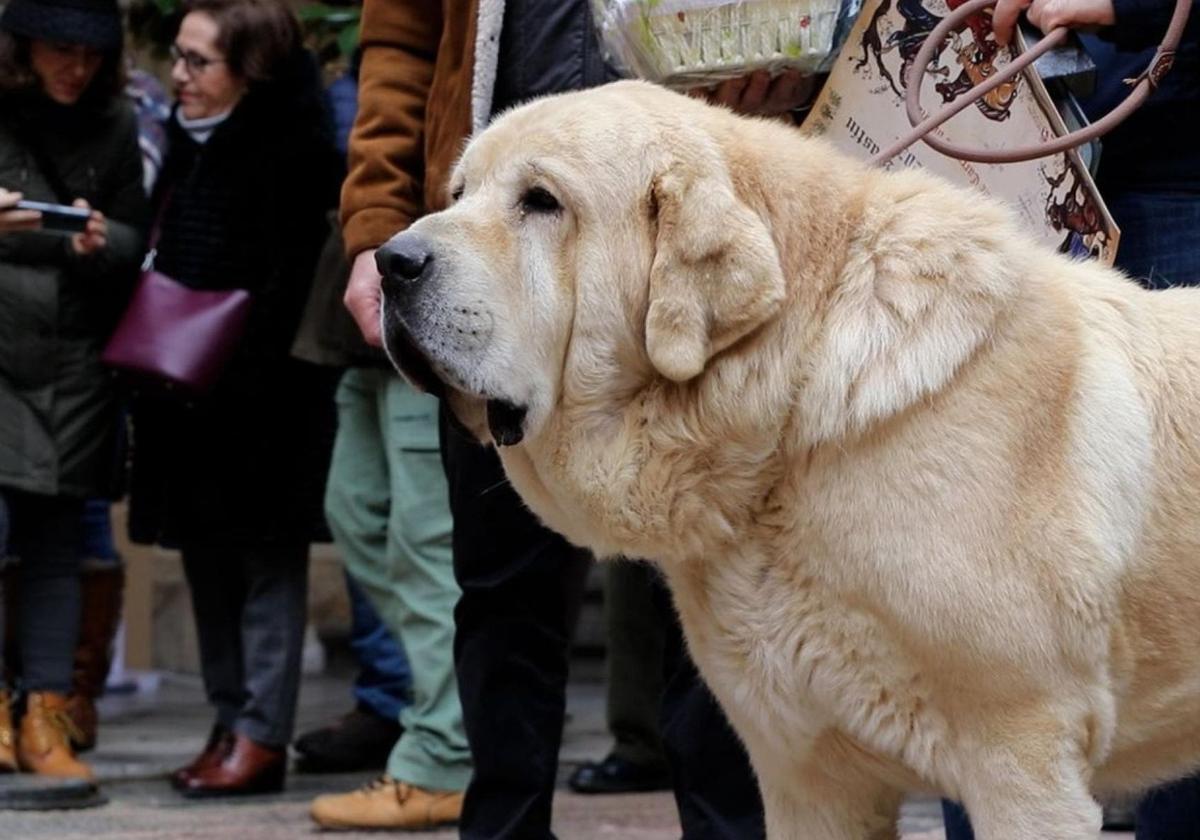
[44, 535]
[1160, 248]
[4, 526]
[96, 546]
[1160, 237]
[3, 562]
[384, 681]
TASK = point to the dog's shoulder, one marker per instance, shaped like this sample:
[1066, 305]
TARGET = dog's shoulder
[929, 270]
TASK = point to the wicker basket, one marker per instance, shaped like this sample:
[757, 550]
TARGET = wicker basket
[686, 43]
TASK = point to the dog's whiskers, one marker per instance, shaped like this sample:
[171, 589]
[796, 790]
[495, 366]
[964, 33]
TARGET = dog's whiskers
[495, 486]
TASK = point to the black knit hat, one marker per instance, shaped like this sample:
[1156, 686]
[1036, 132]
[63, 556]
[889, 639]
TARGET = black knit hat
[91, 23]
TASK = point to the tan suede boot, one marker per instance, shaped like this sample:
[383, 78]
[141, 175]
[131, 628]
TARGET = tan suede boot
[8, 741]
[43, 745]
[387, 803]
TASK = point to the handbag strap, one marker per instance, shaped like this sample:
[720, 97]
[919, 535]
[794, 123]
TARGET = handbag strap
[156, 230]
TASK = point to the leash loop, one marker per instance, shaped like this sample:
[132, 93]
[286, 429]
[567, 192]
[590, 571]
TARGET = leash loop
[923, 125]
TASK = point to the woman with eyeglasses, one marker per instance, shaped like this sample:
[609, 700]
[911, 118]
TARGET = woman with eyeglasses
[67, 136]
[235, 478]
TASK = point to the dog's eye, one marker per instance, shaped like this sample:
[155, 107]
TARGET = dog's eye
[457, 193]
[539, 200]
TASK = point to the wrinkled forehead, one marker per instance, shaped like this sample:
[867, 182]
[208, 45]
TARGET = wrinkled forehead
[491, 161]
[570, 142]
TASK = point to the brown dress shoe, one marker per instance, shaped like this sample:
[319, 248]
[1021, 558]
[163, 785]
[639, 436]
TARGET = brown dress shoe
[220, 740]
[388, 804]
[8, 739]
[246, 768]
[44, 745]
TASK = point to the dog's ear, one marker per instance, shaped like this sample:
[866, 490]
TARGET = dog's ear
[716, 274]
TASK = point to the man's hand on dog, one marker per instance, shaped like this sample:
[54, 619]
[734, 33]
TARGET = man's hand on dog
[1050, 14]
[363, 297]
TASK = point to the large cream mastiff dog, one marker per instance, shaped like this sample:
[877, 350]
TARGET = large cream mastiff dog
[927, 495]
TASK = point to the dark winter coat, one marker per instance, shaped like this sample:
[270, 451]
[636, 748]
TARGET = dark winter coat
[58, 415]
[328, 335]
[246, 464]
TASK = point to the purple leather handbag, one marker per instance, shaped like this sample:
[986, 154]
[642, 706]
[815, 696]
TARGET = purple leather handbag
[176, 336]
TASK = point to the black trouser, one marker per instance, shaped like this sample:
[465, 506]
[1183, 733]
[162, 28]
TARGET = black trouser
[635, 675]
[715, 789]
[44, 537]
[521, 586]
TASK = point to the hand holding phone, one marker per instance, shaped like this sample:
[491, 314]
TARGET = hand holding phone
[12, 219]
[60, 218]
[87, 228]
[95, 231]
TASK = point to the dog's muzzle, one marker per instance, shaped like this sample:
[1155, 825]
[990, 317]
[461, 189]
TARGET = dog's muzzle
[405, 263]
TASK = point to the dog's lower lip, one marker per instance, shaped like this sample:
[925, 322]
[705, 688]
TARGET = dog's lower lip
[414, 364]
[506, 422]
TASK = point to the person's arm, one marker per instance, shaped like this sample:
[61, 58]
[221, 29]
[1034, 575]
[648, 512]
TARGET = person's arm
[296, 211]
[383, 190]
[1131, 24]
[111, 251]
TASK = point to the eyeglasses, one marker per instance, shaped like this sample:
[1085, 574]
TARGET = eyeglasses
[193, 62]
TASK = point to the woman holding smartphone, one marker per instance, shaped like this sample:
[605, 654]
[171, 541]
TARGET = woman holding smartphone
[67, 136]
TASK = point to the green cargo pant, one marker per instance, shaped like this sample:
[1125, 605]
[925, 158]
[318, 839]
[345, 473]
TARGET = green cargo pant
[388, 508]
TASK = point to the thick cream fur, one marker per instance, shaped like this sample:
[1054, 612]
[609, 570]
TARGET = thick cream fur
[930, 509]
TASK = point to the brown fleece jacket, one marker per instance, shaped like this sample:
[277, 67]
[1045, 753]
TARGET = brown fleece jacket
[414, 114]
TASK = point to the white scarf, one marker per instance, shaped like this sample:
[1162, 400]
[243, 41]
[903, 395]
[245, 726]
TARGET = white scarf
[201, 128]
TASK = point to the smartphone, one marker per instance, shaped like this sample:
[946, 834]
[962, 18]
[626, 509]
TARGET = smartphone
[58, 217]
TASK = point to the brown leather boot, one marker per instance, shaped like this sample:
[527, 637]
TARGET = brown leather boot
[43, 745]
[81, 709]
[220, 741]
[248, 767]
[100, 614]
[8, 740]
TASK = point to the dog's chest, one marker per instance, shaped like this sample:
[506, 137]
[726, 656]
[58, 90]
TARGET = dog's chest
[788, 660]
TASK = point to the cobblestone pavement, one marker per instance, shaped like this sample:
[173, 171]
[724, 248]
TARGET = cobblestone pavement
[145, 734]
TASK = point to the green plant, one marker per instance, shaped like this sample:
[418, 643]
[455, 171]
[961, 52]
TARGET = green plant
[331, 31]
[152, 25]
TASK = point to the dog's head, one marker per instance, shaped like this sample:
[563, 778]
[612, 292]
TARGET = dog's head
[595, 240]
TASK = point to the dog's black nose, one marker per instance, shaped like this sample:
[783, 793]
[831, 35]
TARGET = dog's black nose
[403, 258]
